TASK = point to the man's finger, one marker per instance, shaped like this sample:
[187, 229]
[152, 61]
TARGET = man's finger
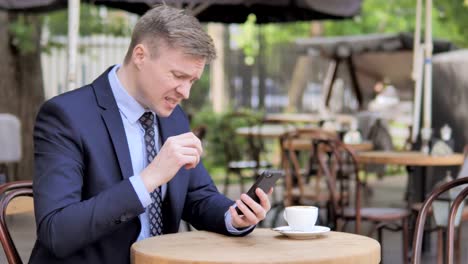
[264, 201]
[237, 220]
[190, 143]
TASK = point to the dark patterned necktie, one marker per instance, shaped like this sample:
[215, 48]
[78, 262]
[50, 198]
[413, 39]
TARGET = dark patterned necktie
[155, 208]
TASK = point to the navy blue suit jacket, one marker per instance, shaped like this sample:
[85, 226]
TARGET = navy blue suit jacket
[85, 206]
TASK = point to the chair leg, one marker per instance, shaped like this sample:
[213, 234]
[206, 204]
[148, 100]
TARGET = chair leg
[405, 240]
[440, 245]
[457, 245]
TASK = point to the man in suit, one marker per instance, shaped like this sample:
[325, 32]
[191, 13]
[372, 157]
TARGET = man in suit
[115, 161]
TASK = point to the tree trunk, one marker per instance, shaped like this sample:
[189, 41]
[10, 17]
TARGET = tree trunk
[21, 86]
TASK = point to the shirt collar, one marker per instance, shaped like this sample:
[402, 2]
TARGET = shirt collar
[130, 108]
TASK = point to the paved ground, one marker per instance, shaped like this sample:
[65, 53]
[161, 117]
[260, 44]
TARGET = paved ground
[386, 192]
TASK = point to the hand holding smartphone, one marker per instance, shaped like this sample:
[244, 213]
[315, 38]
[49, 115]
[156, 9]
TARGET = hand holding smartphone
[265, 182]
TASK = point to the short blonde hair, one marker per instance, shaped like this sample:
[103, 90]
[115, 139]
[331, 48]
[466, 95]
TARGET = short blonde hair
[176, 28]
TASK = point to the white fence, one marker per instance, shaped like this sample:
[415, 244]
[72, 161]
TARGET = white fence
[96, 54]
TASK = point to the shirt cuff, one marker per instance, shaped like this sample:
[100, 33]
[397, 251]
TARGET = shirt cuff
[230, 228]
[140, 190]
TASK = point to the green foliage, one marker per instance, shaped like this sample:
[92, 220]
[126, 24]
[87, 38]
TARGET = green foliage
[91, 22]
[272, 34]
[248, 39]
[452, 21]
[221, 133]
[212, 156]
[24, 35]
[449, 19]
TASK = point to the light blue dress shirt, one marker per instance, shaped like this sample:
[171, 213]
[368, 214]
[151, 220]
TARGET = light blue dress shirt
[130, 111]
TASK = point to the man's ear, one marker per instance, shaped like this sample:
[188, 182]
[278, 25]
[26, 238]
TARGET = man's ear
[138, 55]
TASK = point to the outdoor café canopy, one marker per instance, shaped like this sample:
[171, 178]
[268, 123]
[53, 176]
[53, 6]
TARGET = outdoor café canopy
[224, 11]
[370, 58]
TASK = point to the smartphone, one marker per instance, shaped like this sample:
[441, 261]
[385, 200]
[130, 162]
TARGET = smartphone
[265, 181]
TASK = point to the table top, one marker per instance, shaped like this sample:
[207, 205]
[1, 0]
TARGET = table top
[304, 144]
[261, 246]
[408, 158]
[294, 117]
[308, 118]
[266, 131]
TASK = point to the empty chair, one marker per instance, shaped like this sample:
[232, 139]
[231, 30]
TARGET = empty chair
[333, 167]
[416, 207]
[424, 211]
[294, 146]
[10, 191]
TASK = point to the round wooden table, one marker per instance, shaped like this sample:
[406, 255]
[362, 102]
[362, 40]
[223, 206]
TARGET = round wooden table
[261, 246]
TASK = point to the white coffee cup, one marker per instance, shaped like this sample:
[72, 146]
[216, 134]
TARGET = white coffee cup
[301, 218]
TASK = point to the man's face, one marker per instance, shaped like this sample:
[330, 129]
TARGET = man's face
[166, 79]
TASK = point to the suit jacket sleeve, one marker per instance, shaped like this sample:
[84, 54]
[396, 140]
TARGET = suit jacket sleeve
[204, 206]
[65, 220]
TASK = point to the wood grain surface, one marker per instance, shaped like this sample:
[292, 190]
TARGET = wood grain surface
[261, 246]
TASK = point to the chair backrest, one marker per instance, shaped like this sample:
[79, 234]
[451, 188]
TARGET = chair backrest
[294, 145]
[419, 229]
[339, 165]
[9, 191]
[451, 223]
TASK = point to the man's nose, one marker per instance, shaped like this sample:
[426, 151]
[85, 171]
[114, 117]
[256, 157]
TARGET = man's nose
[184, 90]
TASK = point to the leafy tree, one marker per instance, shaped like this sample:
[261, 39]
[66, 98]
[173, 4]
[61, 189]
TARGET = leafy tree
[93, 20]
[449, 19]
[272, 34]
[21, 88]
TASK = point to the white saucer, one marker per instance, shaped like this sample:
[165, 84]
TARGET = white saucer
[287, 231]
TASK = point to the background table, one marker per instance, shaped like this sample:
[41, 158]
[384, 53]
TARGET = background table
[304, 144]
[408, 158]
[261, 246]
[265, 131]
[412, 159]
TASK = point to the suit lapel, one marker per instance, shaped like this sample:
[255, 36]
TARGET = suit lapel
[111, 116]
